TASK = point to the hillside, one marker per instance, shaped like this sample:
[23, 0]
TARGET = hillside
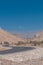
[8, 37]
[38, 36]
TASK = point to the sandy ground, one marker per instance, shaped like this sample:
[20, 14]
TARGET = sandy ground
[24, 55]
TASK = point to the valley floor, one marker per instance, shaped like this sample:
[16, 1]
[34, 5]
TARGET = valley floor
[22, 56]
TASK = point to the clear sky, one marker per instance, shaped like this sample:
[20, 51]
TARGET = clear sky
[21, 15]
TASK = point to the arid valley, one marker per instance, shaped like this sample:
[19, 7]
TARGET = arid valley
[21, 32]
[15, 50]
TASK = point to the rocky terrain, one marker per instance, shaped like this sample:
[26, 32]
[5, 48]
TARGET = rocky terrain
[8, 37]
[38, 36]
[22, 56]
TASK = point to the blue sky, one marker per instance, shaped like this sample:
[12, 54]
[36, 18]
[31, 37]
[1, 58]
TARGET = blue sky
[21, 15]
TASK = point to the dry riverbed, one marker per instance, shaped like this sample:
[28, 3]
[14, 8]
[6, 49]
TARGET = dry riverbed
[22, 56]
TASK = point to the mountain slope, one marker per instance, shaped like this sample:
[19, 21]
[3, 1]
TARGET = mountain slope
[38, 36]
[8, 37]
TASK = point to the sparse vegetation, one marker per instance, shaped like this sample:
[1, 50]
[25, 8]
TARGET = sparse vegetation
[1, 43]
[41, 41]
[20, 43]
[35, 43]
[6, 43]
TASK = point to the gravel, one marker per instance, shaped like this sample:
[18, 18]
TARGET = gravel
[24, 55]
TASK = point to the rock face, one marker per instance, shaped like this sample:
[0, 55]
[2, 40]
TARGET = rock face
[8, 37]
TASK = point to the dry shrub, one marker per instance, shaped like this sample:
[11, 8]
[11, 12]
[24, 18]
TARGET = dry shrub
[42, 42]
[21, 43]
[35, 43]
[6, 43]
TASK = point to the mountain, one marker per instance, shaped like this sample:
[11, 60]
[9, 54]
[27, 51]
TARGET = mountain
[38, 36]
[8, 37]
